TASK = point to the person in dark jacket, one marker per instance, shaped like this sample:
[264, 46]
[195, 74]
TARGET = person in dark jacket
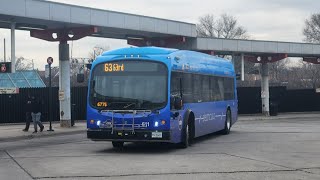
[28, 112]
[36, 114]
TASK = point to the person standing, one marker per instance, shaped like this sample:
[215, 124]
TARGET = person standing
[36, 114]
[28, 113]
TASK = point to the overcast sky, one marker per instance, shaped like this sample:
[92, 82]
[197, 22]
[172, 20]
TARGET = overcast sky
[276, 20]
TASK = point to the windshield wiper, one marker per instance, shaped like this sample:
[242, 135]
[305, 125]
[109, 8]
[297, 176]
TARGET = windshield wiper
[128, 105]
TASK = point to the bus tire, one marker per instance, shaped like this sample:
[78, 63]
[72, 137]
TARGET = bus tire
[185, 137]
[117, 144]
[227, 124]
[188, 131]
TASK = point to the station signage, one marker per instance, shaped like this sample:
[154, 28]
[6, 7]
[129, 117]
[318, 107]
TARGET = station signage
[9, 90]
[49, 60]
[5, 67]
[61, 95]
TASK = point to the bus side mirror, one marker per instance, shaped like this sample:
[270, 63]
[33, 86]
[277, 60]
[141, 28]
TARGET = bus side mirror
[177, 103]
[80, 78]
[238, 76]
[89, 66]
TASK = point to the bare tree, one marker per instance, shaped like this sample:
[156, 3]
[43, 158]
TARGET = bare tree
[78, 66]
[97, 51]
[311, 75]
[305, 76]
[23, 64]
[276, 69]
[311, 30]
[226, 26]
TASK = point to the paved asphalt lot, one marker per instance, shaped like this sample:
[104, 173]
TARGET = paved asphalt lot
[255, 149]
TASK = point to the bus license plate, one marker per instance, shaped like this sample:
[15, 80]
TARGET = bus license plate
[156, 135]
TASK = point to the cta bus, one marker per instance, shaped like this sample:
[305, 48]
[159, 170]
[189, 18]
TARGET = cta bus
[153, 94]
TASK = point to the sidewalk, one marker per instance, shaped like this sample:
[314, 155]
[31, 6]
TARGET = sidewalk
[294, 115]
[13, 132]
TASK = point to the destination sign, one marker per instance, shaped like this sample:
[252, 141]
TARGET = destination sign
[113, 67]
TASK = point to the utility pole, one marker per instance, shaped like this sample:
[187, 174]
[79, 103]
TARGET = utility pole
[4, 49]
[50, 61]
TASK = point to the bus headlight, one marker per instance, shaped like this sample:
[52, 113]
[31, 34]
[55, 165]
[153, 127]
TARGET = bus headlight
[156, 124]
[98, 123]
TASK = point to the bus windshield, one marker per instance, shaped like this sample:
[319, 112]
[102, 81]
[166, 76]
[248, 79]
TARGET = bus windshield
[129, 85]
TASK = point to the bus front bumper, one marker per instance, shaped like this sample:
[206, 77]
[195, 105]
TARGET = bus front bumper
[128, 135]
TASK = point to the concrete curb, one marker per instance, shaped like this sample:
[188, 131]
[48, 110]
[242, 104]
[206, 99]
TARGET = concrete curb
[34, 136]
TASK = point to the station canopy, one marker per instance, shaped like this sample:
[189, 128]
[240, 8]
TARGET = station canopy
[21, 79]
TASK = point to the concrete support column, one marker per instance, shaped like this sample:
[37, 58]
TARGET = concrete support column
[13, 47]
[233, 58]
[242, 67]
[265, 89]
[64, 85]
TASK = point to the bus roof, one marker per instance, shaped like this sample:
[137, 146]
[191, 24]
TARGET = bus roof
[140, 51]
[181, 60]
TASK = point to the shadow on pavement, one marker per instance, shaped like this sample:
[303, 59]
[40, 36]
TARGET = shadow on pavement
[156, 148]
[142, 148]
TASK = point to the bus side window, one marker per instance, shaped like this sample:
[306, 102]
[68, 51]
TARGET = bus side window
[187, 87]
[228, 88]
[205, 89]
[214, 88]
[175, 84]
[197, 86]
[221, 88]
[174, 88]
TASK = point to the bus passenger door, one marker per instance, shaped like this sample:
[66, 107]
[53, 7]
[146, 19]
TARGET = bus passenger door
[176, 107]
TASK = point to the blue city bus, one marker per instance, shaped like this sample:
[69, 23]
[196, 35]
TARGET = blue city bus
[153, 94]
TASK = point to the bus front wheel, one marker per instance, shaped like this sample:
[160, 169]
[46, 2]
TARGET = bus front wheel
[227, 124]
[186, 137]
[117, 144]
